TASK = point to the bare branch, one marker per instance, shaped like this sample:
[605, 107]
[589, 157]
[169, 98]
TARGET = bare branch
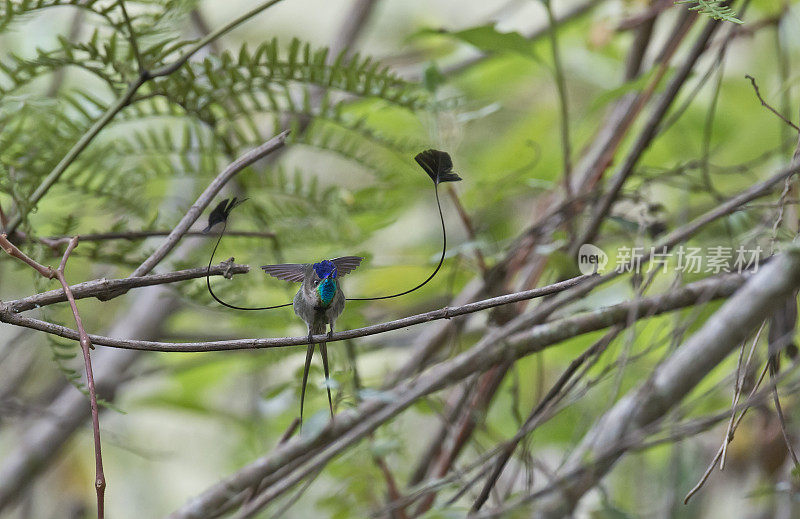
[108, 288]
[14, 252]
[767, 105]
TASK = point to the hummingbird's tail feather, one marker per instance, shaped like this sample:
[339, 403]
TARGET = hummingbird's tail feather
[323, 349]
[306, 367]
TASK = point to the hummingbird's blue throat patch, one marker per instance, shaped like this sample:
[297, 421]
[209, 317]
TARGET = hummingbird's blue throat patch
[327, 289]
[325, 269]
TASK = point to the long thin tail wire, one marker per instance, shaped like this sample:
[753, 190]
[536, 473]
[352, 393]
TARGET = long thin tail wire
[441, 260]
[208, 280]
[435, 271]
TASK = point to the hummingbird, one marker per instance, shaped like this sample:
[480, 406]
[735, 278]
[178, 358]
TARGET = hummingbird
[318, 302]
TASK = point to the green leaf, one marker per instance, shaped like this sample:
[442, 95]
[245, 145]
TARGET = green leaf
[489, 39]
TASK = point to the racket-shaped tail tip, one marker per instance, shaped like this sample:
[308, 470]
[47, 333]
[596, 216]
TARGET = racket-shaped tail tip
[438, 165]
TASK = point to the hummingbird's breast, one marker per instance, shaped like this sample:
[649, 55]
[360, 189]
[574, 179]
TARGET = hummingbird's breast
[326, 291]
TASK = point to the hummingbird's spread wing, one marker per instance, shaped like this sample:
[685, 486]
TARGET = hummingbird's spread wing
[346, 264]
[288, 271]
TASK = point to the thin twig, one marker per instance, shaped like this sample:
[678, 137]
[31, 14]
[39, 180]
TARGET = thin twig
[108, 288]
[132, 38]
[561, 88]
[737, 393]
[728, 438]
[767, 105]
[14, 252]
[55, 241]
[86, 346]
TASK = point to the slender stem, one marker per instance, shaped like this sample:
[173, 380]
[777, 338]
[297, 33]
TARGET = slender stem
[767, 105]
[14, 252]
[108, 288]
[86, 346]
[561, 87]
[55, 241]
[132, 39]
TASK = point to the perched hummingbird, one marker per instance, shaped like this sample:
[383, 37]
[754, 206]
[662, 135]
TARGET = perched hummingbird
[319, 302]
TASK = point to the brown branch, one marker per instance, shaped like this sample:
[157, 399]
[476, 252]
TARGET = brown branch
[468, 225]
[86, 346]
[14, 252]
[767, 105]
[542, 406]
[108, 288]
[444, 313]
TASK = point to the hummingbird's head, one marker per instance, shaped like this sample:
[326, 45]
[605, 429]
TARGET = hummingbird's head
[325, 281]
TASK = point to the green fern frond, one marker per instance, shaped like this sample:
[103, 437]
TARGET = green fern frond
[716, 9]
[230, 75]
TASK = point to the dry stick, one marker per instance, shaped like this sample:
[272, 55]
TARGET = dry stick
[781, 418]
[767, 105]
[737, 393]
[86, 345]
[117, 107]
[468, 225]
[727, 440]
[237, 344]
[14, 252]
[391, 485]
[106, 288]
[350, 427]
